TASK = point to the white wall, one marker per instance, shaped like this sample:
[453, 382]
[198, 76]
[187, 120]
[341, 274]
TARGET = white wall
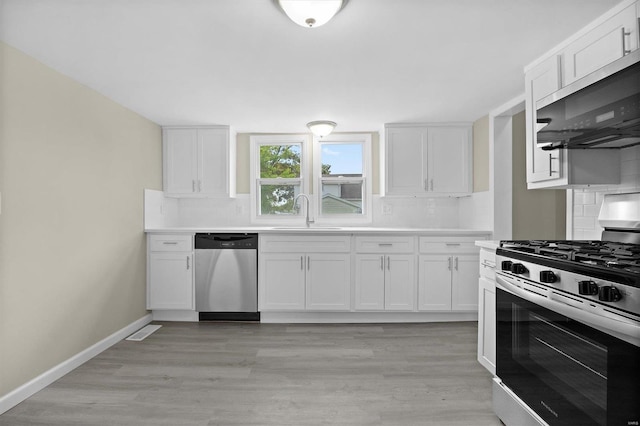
[587, 202]
[73, 165]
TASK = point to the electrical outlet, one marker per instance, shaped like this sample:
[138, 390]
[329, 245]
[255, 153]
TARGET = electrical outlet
[387, 208]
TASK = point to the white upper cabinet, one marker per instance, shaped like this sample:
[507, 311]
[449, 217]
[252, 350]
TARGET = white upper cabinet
[428, 160]
[540, 82]
[199, 161]
[611, 40]
[615, 36]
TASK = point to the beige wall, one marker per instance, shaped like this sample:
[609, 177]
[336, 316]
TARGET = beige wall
[481, 154]
[537, 213]
[243, 162]
[73, 165]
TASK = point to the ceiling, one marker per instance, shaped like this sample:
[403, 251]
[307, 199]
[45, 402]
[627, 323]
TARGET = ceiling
[244, 63]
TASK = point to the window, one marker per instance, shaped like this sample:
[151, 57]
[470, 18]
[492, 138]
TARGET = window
[277, 172]
[341, 169]
[341, 176]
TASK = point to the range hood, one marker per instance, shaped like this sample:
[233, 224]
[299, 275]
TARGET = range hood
[599, 111]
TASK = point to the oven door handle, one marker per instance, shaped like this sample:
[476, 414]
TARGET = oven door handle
[608, 322]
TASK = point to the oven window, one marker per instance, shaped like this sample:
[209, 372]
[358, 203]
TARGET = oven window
[572, 364]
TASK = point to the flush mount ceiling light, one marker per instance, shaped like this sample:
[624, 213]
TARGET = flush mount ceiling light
[311, 13]
[321, 128]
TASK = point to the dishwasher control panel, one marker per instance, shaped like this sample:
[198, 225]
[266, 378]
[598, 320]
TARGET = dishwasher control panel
[226, 241]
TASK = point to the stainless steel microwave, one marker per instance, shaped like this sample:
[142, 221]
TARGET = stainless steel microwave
[600, 110]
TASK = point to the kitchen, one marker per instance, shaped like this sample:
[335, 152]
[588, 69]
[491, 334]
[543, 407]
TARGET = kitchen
[81, 199]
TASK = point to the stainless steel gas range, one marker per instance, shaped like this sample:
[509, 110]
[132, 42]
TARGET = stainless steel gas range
[568, 326]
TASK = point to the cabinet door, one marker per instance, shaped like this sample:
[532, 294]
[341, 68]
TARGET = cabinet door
[180, 161]
[400, 282]
[328, 282]
[434, 282]
[170, 281]
[213, 161]
[369, 284]
[540, 82]
[487, 324]
[406, 151]
[448, 160]
[604, 44]
[464, 283]
[282, 281]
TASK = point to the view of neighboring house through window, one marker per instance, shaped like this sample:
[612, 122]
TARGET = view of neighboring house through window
[341, 166]
[341, 178]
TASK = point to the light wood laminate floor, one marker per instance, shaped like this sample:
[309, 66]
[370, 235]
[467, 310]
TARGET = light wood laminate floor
[272, 374]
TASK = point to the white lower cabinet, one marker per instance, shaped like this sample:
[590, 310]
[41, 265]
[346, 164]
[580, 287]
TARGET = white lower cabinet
[487, 310]
[487, 325]
[448, 278]
[170, 272]
[318, 279]
[282, 278]
[328, 282]
[385, 277]
[385, 282]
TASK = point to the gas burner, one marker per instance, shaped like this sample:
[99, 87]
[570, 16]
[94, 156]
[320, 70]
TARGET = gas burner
[603, 255]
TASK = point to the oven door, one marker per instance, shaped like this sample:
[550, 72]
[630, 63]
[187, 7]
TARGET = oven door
[568, 372]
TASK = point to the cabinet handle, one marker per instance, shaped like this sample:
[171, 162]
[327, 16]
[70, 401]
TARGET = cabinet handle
[187, 262]
[302, 263]
[308, 263]
[488, 265]
[385, 244]
[173, 243]
[551, 158]
[452, 244]
[449, 263]
[388, 263]
[193, 185]
[456, 263]
[199, 185]
[382, 262]
[625, 51]
[426, 186]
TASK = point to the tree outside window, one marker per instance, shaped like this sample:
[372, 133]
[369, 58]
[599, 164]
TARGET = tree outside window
[278, 162]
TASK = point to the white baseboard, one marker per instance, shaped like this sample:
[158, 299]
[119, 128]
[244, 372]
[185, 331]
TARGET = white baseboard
[23, 392]
[169, 315]
[365, 317]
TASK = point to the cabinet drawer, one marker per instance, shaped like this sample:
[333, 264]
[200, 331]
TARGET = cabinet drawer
[305, 243]
[488, 264]
[448, 245]
[168, 242]
[384, 244]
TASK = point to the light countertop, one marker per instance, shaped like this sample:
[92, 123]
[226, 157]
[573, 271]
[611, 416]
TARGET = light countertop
[488, 244]
[320, 229]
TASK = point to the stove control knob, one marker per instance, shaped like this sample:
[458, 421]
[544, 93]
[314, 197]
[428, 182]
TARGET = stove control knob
[519, 268]
[609, 294]
[588, 288]
[506, 265]
[548, 277]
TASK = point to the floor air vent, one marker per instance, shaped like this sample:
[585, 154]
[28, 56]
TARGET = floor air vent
[143, 333]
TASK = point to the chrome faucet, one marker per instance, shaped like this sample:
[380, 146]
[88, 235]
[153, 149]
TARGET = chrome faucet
[295, 204]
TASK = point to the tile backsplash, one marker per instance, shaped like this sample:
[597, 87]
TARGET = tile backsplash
[411, 212]
[586, 202]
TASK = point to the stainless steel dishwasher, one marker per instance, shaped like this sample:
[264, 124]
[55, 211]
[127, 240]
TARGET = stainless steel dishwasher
[226, 270]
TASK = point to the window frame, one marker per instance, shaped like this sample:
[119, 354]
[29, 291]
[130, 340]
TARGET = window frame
[255, 142]
[367, 189]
